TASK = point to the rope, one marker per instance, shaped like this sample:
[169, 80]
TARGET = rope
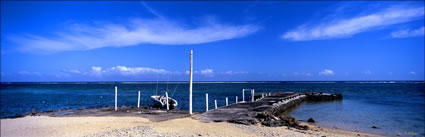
[175, 89]
[156, 87]
[167, 82]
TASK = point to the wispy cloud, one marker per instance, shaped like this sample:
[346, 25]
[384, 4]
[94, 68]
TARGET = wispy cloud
[204, 72]
[116, 70]
[235, 72]
[337, 28]
[408, 33]
[134, 32]
[151, 10]
[327, 72]
[137, 70]
[75, 71]
[96, 69]
[207, 72]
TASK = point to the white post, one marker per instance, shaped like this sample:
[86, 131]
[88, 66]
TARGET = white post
[215, 104]
[166, 95]
[262, 95]
[206, 102]
[190, 83]
[243, 95]
[236, 99]
[138, 100]
[252, 95]
[227, 101]
[116, 92]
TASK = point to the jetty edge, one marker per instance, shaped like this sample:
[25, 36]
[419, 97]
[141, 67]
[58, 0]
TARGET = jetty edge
[268, 109]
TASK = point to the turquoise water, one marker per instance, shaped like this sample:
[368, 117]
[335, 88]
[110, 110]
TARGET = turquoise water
[395, 108]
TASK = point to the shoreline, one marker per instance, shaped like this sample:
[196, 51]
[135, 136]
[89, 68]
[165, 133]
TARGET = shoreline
[133, 125]
[154, 117]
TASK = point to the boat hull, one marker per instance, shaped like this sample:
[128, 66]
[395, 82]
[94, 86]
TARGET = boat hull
[160, 102]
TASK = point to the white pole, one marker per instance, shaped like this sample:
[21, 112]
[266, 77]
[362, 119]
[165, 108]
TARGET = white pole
[138, 100]
[227, 101]
[243, 95]
[206, 102]
[215, 104]
[190, 82]
[166, 95]
[252, 95]
[116, 92]
[262, 95]
[236, 99]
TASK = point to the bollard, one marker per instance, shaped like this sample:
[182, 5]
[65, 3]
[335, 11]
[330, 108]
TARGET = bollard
[252, 95]
[227, 101]
[166, 95]
[206, 102]
[190, 82]
[215, 104]
[116, 92]
[138, 100]
[243, 95]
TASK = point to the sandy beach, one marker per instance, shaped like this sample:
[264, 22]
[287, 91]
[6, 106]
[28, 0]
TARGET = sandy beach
[103, 126]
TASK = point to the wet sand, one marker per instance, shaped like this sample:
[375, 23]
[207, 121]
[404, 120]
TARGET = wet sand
[101, 126]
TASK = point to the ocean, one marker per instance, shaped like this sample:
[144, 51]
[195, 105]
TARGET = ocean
[395, 108]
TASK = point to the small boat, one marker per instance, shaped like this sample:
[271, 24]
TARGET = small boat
[161, 101]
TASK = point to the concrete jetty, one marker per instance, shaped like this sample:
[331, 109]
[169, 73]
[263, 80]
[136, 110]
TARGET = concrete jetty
[265, 107]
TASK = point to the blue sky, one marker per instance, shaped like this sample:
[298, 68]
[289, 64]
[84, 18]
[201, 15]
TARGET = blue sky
[232, 41]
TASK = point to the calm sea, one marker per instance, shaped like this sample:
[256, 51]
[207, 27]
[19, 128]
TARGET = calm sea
[395, 108]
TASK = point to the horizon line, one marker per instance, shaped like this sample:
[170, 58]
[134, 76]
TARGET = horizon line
[287, 81]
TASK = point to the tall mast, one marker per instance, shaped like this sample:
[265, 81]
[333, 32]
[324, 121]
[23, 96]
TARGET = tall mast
[190, 82]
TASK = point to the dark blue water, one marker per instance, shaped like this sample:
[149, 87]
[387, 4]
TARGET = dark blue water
[395, 108]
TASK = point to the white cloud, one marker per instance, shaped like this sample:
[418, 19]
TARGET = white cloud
[131, 33]
[210, 72]
[96, 69]
[76, 71]
[408, 33]
[137, 70]
[151, 10]
[187, 72]
[120, 70]
[412, 72]
[235, 72]
[347, 27]
[327, 72]
[207, 72]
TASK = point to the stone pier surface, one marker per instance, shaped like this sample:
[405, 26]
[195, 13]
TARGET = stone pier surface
[267, 107]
